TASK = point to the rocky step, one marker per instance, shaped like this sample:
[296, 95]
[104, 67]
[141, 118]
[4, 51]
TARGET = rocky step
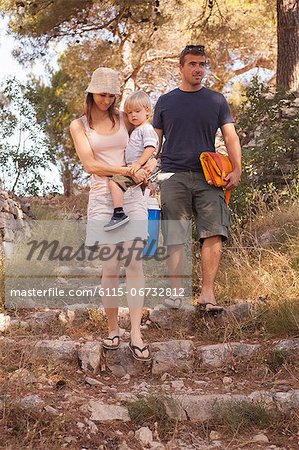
[105, 386]
[78, 313]
[167, 356]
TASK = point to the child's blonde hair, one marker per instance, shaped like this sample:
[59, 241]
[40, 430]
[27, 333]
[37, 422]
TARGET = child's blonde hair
[138, 99]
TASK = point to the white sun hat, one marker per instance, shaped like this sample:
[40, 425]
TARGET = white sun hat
[104, 81]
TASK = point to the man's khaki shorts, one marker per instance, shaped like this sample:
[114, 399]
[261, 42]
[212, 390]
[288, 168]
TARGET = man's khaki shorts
[187, 194]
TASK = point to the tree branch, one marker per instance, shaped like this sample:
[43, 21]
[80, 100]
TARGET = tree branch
[261, 62]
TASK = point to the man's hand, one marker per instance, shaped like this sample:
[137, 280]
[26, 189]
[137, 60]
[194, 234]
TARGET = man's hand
[150, 166]
[134, 167]
[233, 179]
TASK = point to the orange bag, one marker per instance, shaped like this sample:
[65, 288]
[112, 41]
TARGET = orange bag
[216, 167]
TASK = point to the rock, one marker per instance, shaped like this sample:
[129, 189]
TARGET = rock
[15, 323]
[124, 446]
[262, 438]
[93, 382]
[201, 383]
[287, 401]
[144, 435]
[57, 350]
[64, 337]
[177, 384]
[101, 412]
[22, 302]
[70, 439]
[23, 376]
[215, 355]
[4, 322]
[121, 362]
[43, 318]
[51, 410]
[126, 377]
[269, 238]
[227, 380]
[90, 356]
[289, 112]
[295, 102]
[214, 435]
[124, 397]
[264, 397]
[31, 403]
[157, 445]
[92, 426]
[8, 343]
[174, 409]
[76, 314]
[165, 317]
[240, 311]
[288, 344]
[199, 408]
[217, 444]
[165, 376]
[170, 355]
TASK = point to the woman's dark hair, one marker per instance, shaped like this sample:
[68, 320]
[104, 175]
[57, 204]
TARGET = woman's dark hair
[89, 102]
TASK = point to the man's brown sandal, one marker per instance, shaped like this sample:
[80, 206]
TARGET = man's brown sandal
[133, 349]
[112, 346]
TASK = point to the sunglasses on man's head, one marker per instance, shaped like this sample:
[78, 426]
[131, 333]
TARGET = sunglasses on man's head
[198, 48]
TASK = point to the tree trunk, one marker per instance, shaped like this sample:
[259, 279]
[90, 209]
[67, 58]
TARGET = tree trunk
[288, 44]
[68, 182]
[127, 71]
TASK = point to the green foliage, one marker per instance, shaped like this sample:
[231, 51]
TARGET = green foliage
[276, 359]
[282, 318]
[156, 31]
[268, 127]
[24, 147]
[235, 31]
[42, 21]
[53, 108]
[242, 415]
[147, 410]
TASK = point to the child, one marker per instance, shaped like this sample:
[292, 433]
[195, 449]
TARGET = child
[142, 145]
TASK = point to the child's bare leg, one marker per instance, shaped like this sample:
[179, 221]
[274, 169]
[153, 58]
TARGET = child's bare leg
[117, 194]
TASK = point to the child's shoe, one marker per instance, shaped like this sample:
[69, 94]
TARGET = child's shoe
[116, 221]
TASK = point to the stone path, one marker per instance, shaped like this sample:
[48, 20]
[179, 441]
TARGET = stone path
[188, 377]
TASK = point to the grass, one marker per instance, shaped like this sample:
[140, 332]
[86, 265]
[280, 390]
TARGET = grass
[147, 411]
[281, 318]
[59, 207]
[276, 359]
[236, 417]
[267, 274]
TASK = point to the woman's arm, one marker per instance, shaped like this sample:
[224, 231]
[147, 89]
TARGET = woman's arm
[86, 156]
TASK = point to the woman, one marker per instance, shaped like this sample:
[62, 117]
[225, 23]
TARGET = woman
[100, 137]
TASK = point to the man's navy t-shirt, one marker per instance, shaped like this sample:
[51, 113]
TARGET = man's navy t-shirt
[189, 121]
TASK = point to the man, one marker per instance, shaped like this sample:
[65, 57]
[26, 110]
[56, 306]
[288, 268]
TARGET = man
[189, 117]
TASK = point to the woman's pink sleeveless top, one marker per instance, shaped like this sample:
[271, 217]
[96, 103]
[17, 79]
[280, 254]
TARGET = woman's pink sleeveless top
[107, 149]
